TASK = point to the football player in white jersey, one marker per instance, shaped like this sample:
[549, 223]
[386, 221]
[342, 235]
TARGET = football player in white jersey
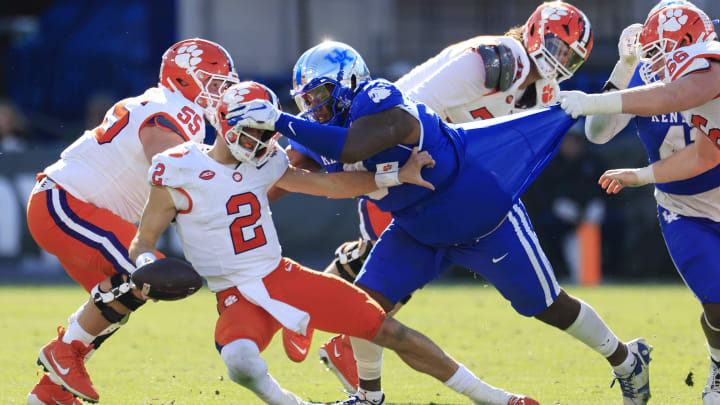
[218, 197]
[493, 76]
[688, 210]
[84, 206]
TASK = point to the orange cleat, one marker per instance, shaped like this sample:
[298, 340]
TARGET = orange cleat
[66, 363]
[47, 392]
[338, 357]
[521, 400]
[296, 345]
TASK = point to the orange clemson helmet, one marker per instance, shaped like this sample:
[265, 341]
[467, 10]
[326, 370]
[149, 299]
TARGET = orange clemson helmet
[200, 70]
[666, 30]
[558, 38]
[258, 148]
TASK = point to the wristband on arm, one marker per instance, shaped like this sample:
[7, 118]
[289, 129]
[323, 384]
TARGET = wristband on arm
[327, 140]
[645, 175]
[386, 175]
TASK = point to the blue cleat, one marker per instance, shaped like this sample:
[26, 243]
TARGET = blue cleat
[636, 385]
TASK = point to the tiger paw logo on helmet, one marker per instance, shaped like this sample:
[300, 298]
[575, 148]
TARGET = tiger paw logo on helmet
[236, 94]
[672, 20]
[553, 13]
[188, 56]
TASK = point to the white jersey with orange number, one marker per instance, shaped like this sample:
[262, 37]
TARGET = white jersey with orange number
[452, 83]
[224, 219]
[696, 58]
[107, 166]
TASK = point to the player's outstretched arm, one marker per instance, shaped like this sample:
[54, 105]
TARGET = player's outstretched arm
[374, 133]
[691, 161]
[366, 136]
[157, 215]
[659, 98]
[352, 184]
[298, 160]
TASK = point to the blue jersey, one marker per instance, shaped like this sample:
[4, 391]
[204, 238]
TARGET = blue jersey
[436, 137]
[481, 168]
[663, 135]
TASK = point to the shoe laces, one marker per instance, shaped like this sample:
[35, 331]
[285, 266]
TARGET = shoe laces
[715, 384]
[626, 386]
[80, 351]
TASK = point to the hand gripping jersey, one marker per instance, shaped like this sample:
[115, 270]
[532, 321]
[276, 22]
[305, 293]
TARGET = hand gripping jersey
[107, 166]
[454, 85]
[696, 58]
[224, 219]
[664, 135]
[481, 168]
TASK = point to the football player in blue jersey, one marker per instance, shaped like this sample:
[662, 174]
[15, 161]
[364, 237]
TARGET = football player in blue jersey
[688, 210]
[474, 218]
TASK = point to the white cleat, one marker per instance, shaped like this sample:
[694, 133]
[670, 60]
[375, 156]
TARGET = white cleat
[636, 385]
[711, 393]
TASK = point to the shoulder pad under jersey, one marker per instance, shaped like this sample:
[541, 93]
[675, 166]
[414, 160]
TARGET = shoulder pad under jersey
[692, 58]
[499, 66]
[170, 167]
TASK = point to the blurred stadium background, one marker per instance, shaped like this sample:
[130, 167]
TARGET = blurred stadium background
[65, 62]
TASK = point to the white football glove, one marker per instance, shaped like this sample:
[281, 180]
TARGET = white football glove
[625, 66]
[628, 42]
[260, 114]
[576, 103]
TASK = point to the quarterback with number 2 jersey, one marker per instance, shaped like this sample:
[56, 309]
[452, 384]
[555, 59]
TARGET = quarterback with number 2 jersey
[218, 196]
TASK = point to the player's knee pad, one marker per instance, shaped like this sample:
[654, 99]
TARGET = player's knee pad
[350, 257]
[243, 362]
[120, 290]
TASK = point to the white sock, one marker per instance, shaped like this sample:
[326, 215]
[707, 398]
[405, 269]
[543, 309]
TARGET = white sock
[466, 383]
[591, 330]
[368, 357]
[627, 366]
[372, 396]
[267, 389]
[247, 368]
[76, 332]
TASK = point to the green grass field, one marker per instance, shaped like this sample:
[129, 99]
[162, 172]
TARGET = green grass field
[166, 354]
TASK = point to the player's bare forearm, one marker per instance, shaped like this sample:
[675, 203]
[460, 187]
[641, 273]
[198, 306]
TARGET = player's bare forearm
[374, 133]
[297, 160]
[352, 184]
[687, 92]
[691, 161]
[157, 215]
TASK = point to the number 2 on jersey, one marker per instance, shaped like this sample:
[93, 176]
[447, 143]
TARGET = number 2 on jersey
[236, 227]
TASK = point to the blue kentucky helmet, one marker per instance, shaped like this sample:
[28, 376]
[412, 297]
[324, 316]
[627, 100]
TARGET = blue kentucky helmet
[324, 80]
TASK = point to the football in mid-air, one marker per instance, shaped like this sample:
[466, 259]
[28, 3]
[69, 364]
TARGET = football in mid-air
[167, 279]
